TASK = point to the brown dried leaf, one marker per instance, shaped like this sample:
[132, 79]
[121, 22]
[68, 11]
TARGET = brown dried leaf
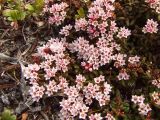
[24, 116]
[6, 86]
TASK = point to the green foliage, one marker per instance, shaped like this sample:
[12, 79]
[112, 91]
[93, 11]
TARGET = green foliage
[7, 115]
[14, 15]
[81, 13]
[18, 10]
[36, 7]
[29, 7]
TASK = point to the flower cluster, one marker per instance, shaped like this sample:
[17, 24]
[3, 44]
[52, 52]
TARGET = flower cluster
[78, 98]
[94, 56]
[119, 60]
[31, 71]
[99, 55]
[96, 116]
[52, 59]
[84, 62]
[110, 117]
[123, 33]
[57, 13]
[65, 30]
[143, 108]
[74, 105]
[92, 91]
[91, 56]
[155, 4]
[123, 75]
[81, 24]
[151, 26]
[134, 60]
[99, 20]
[99, 24]
[36, 92]
[51, 88]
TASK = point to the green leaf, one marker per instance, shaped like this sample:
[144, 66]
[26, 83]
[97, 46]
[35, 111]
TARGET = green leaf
[6, 12]
[158, 17]
[126, 107]
[14, 15]
[10, 19]
[7, 115]
[18, 15]
[81, 13]
[38, 5]
[29, 7]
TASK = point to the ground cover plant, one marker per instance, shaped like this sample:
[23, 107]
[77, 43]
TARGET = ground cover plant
[80, 59]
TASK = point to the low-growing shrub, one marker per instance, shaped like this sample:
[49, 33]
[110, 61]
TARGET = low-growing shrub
[98, 61]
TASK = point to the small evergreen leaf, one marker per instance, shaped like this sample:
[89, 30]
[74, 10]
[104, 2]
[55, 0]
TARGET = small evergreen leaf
[7, 12]
[29, 7]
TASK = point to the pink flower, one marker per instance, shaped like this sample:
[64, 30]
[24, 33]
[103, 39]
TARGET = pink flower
[151, 1]
[96, 116]
[36, 92]
[65, 30]
[134, 60]
[113, 26]
[50, 73]
[82, 115]
[63, 83]
[120, 60]
[123, 33]
[33, 67]
[81, 24]
[137, 99]
[57, 47]
[107, 88]
[31, 71]
[33, 81]
[51, 87]
[109, 117]
[99, 79]
[80, 80]
[57, 12]
[155, 4]
[156, 97]
[123, 76]
[156, 83]
[150, 27]
[142, 107]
